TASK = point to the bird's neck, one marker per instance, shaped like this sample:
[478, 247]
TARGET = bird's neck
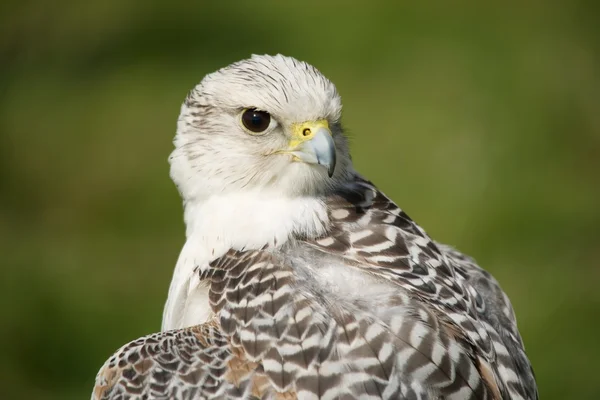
[253, 219]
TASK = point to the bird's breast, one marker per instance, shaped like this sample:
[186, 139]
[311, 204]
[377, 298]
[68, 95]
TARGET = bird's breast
[238, 221]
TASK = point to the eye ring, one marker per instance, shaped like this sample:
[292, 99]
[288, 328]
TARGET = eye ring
[256, 121]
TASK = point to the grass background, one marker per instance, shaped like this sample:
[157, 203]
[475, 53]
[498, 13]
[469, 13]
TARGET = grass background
[481, 121]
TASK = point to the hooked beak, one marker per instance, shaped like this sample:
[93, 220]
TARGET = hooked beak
[312, 143]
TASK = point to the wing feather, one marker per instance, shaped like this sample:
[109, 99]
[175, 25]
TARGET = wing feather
[442, 279]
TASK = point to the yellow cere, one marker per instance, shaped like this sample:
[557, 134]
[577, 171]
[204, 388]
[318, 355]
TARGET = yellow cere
[305, 131]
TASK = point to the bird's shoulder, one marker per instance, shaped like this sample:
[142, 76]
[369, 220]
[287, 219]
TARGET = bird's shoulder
[373, 234]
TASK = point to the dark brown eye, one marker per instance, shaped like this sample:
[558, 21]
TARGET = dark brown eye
[256, 121]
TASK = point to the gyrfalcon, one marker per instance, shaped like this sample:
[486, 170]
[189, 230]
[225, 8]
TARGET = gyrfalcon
[299, 279]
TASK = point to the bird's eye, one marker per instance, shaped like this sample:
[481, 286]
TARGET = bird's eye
[256, 121]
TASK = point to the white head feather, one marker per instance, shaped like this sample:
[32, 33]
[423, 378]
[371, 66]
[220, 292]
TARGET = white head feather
[214, 154]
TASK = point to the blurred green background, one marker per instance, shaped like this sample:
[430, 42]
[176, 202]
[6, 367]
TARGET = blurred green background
[481, 121]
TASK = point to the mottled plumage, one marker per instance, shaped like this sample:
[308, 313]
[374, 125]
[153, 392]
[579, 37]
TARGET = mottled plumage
[348, 299]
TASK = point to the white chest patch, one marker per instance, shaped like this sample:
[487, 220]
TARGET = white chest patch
[238, 221]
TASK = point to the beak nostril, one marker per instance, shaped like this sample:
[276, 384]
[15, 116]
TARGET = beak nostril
[306, 132]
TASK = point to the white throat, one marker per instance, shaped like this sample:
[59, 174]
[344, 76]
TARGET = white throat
[243, 220]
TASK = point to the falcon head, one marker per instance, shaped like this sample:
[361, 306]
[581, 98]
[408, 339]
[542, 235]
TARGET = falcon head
[268, 122]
